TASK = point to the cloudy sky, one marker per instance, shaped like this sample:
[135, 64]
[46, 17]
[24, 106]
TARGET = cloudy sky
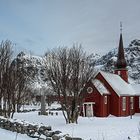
[39, 25]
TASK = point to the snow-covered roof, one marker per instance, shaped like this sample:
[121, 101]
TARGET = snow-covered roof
[100, 86]
[118, 84]
[136, 88]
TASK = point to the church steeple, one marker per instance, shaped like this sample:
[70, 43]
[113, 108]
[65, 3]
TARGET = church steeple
[121, 65]
[121, 62]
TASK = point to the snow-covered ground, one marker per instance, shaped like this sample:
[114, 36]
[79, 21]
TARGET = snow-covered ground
[8, 135]
[110, 128]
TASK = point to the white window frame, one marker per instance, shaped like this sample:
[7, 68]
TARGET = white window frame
[132, 102]
[139, 102]
[105, 100]
[84, 106]
[124, 103]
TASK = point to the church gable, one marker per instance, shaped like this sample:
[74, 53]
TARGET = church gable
[96, 86]
[96, 99]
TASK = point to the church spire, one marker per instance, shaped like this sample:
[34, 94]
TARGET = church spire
[121, 62]
[120, 67]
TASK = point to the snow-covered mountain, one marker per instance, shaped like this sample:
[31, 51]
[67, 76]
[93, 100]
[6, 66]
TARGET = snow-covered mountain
[132, 55]
[34, 68]
[35, 64]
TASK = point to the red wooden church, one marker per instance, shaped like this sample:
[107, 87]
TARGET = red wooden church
[109, 93]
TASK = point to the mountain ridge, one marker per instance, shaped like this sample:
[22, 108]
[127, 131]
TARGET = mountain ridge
[104, 63]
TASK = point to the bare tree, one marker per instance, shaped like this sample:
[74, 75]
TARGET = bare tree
[5, 60]
[12, 81]
[68, 71]
[18, 82]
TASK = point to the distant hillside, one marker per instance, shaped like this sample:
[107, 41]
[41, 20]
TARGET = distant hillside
[35, 64]
[132, 55]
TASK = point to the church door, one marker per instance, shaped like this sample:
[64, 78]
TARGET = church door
[89, 110]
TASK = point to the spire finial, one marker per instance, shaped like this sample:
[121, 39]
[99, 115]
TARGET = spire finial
[121, 27]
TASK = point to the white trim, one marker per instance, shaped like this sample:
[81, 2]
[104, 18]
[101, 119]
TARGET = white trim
[84, 110]
[85, 103]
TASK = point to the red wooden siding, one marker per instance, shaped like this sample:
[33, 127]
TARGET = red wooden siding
[128, 110]
[100, 109]
[114, 98]
[94, 97]
[105, 107]
[123, 74]
[114, 101]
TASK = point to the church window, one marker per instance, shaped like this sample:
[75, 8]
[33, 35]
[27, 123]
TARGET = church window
[89, 90]
[123, 103]
[105, 99]
[132, 102]
[119, 72]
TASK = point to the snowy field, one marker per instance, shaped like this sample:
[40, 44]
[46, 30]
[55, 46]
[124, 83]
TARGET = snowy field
[110, 128]
[8, 135]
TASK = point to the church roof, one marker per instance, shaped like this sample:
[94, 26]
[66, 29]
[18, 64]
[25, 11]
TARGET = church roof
[136, 88]
[100, 86]
[121, 87]
[121, 62]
